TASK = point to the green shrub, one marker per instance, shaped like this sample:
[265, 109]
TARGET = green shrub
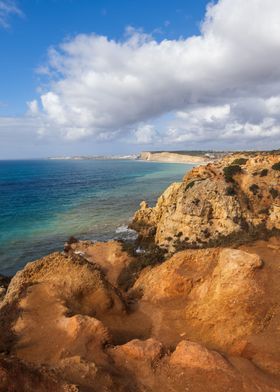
[264, 173]
[274, 193]
[239, 161]
[152, 256]
[230, 191]
[276, 166]
[254, 188]
[190, 185]
[230, 171]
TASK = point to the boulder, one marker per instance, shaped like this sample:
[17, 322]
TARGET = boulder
[194, 355]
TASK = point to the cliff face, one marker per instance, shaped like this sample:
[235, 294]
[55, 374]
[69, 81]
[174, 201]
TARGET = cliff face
[65, 327]
[172, 157]
[236, 197]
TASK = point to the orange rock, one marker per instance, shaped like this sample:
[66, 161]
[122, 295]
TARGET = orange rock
[110, 256]
[193, 355]
[147, 350]
[207, 208]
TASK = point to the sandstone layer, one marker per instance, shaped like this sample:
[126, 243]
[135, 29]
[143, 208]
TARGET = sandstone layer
[173, 157]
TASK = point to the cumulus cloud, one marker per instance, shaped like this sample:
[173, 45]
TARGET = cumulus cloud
[146, 134]
[8, 8]
[219, 87]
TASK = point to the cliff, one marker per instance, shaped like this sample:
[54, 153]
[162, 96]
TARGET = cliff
[205, 319]
[173, 157]
[236, 198]
[106, 317]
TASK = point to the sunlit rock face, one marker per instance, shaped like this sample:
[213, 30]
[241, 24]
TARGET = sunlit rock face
[234, 199]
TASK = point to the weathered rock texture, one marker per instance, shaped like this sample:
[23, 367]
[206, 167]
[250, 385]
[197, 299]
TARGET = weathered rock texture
[211, 205]
[52, 315]
[197, 294]
[203, 320]
[16, 376]
[109, 256]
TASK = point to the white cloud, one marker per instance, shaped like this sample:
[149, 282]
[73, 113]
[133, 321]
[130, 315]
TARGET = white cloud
[33, 108]
[146, 134]
[8, 8]
[218, 88]
[227, 125]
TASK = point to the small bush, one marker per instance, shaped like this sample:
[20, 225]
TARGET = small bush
[264, 173]
[190, 185]
[254, 188]
[264, 211]
[230, 191]
[274, 193]
[72, 240]
[67, 246]
[230, 171]
[276, 166]
[153, 256]
[206, 233]
[244, 225]
[239, 161]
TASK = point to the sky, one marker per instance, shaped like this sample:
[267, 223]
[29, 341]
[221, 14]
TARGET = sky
[84, 77]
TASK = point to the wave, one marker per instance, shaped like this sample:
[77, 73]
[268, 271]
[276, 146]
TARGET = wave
[125, 233]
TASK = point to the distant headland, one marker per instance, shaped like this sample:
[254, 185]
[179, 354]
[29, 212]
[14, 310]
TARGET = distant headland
[190, 157]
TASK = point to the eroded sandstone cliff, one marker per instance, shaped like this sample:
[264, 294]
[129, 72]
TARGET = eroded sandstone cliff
[235, 198]
[104, 317]
[206, 320]
[173, 157]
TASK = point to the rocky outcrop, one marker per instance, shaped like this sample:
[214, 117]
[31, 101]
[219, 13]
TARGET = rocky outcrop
[195, 356]
[200, 289]
[109, 256]
[204, 314]
[52, 314]
[148, 366]
[237, 198]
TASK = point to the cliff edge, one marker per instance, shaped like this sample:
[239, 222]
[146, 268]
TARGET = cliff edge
[175, 157]
[231, 200]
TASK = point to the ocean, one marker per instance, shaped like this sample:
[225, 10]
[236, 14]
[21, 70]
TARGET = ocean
[43, 202]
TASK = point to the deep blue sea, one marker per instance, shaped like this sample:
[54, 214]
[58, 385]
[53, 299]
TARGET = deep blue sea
[43, 202]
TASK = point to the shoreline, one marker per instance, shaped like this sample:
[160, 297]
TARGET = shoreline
[190, 162]
[177, 162]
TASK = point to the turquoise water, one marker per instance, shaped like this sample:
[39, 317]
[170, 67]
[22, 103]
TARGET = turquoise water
[43, 202]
